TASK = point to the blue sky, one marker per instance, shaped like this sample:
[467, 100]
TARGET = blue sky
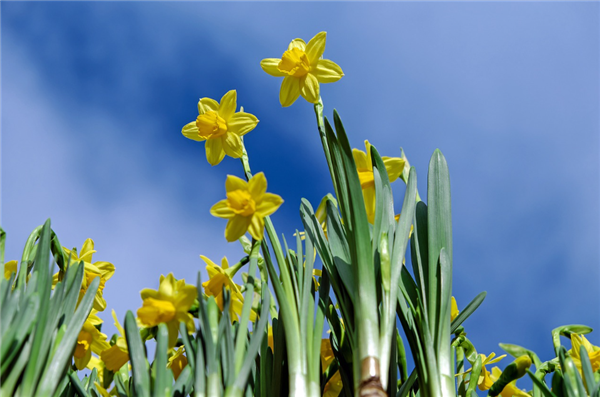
[94, 96]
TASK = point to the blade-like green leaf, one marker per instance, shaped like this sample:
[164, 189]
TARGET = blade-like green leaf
[137, 356]
[467, 311]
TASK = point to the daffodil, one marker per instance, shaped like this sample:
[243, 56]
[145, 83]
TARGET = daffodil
[593, 352]
[364, 166]
[177, 362]
[10, 267]
[246, 206]
[104, 270]
[302, 69]
[89, 340]
[169, 304]
[220, 277]
[118, 354]
[221, 127]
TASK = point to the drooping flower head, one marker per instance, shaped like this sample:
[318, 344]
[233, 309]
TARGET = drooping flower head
[364, 167]
[169, 304]
[221, 127]
[104, 270]
[302, 68]
[246, 206]
[222, 277]
[89, 340]
[118, 354]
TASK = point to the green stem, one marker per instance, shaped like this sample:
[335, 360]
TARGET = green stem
[321, 127]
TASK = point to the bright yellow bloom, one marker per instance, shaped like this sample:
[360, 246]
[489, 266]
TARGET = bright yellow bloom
[454, 310]
[222, 276]
[246, 206]
[89, 340]
[593, 352]
[104, 270]
[169, 304]
[221, 127]
[118, 354]
[334, 387]
[10, 267]
[302, 68]
[177, 362]
[364, 166]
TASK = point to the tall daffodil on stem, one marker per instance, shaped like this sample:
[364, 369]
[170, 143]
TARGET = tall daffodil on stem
[221, 127]
[246, 206]
[303, 70]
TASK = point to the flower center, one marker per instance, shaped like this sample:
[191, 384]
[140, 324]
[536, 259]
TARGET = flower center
[294, 62]
[84, 341]
[241, 202]
[211, 125]
[156, 311]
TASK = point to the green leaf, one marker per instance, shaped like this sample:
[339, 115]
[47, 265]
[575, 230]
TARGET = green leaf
[541, 385]
[161, 375]
[467, 311]
[137, 355]
[586, 366]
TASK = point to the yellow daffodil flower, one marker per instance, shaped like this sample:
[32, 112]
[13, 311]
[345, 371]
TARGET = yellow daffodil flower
[302, 69]
[326, 353]
[89, 340]
[593, 352]
[10, 267]
[334, 387]
[118, 354]
[221, 127]
[169, 304]
[485, 381]
[222, 276]
[454, 309]
[364, 166]
[177, 362]
[104, 270]
[246, 206]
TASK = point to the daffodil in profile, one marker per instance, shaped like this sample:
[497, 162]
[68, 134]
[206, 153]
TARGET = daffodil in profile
[118, 354]
[364, 167]
[221, 277]
[169, 304]
[103, 270]
[593, 352]
[246, 206]
[303, 68]
[89, 340]
[221, 127]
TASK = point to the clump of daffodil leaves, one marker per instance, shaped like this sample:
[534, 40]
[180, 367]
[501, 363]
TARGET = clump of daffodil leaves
[323, 313]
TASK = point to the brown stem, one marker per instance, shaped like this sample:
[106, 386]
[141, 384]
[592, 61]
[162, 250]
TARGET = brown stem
[370, 381]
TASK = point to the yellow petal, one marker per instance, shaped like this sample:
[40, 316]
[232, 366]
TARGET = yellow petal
[453, 309]
[242, 123]
[221, 210]
[369, 197]
[87, 251]
[236, 227]
[232, 145]
[190, 131]
[233, 183]
[309, 88]
[257, 227]
[214, 151]
[394, 167]
[269, 65]
[228, 105]
[327, 71]
[270, 203]
[297, 43]
[207, 104]
[290, 91]
[257, 186]
[360, 158]
[114, 358]
[316, 47]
